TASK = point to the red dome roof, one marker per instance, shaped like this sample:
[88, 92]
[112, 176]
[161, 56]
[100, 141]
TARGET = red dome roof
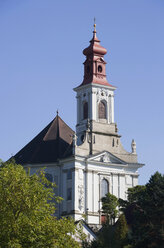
[94, 47]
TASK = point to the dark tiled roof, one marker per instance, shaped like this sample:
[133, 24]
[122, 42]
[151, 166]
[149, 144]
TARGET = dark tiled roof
[52, 143]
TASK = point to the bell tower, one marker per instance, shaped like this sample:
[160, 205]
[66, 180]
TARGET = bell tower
[95, 95]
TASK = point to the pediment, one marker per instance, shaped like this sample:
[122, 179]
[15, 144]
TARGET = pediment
[106, 157]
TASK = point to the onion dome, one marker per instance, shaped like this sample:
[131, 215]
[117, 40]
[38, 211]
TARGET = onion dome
[94, 47]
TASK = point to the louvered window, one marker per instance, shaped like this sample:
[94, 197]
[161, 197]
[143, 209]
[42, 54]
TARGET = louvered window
[102, 110]
[85, 110]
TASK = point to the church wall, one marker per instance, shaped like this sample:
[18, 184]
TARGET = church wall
[67, 187]
[135, 181]
[122, 186]
[95, 176]
[93, 219]
[115, 185]
[52, 174]
[103, 143]
[85, 185]
[129, 183]
[63, 189]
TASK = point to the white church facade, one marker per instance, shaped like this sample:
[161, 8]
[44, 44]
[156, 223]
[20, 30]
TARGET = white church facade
[90, 162]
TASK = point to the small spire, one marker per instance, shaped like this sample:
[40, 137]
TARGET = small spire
[94, 25]
[57, 112]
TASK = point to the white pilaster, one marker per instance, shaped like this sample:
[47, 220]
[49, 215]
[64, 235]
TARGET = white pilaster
[93, 186]
[75, 198]
[112, 109]
[122, 187]
[96, 193]
[111, 186]
[64, 189]
[109, 109]
[90, 105]
[78, 108]
[135, 181]
[119, 186]
[94, 104]
[89, 195]
[115, 185]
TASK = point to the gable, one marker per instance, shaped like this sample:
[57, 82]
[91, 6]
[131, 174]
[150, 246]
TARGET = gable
[106, 157]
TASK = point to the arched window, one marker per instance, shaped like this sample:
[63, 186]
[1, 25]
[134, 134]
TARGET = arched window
[49, 177]
[69, 174]
[102, 110]
[85, 110]
[104, 187]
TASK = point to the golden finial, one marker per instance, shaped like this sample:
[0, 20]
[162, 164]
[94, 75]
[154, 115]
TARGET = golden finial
[94, 24]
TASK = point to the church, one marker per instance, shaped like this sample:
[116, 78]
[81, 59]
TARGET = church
[87, 163]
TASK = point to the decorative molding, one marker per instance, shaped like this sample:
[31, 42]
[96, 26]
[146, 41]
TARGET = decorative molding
[71, 212]
[105, 158]
[81, 197]
[92, 213]
[94, 91]
[88, 170]
[74, 169]
[105, 177]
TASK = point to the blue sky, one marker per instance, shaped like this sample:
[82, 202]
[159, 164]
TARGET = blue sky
[41, 61]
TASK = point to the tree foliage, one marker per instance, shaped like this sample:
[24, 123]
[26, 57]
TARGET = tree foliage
[109, 206]
[144, 211]
[121, 232]
[27, 206]
[111, 235]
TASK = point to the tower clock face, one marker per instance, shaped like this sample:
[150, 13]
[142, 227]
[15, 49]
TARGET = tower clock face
[81, 138]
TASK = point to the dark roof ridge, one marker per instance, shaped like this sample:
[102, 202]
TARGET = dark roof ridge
[52, 143]
[65, 123]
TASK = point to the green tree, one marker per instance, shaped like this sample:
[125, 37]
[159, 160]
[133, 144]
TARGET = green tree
[109, 207]
[111, 235]
[27, 206]
[144, 212]
[121, 232]
[105, 238]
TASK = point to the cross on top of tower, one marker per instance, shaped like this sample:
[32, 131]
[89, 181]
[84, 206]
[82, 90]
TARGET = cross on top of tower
[94, 24]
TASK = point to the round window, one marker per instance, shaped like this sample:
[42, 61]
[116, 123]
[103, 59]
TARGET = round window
[99, 68]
